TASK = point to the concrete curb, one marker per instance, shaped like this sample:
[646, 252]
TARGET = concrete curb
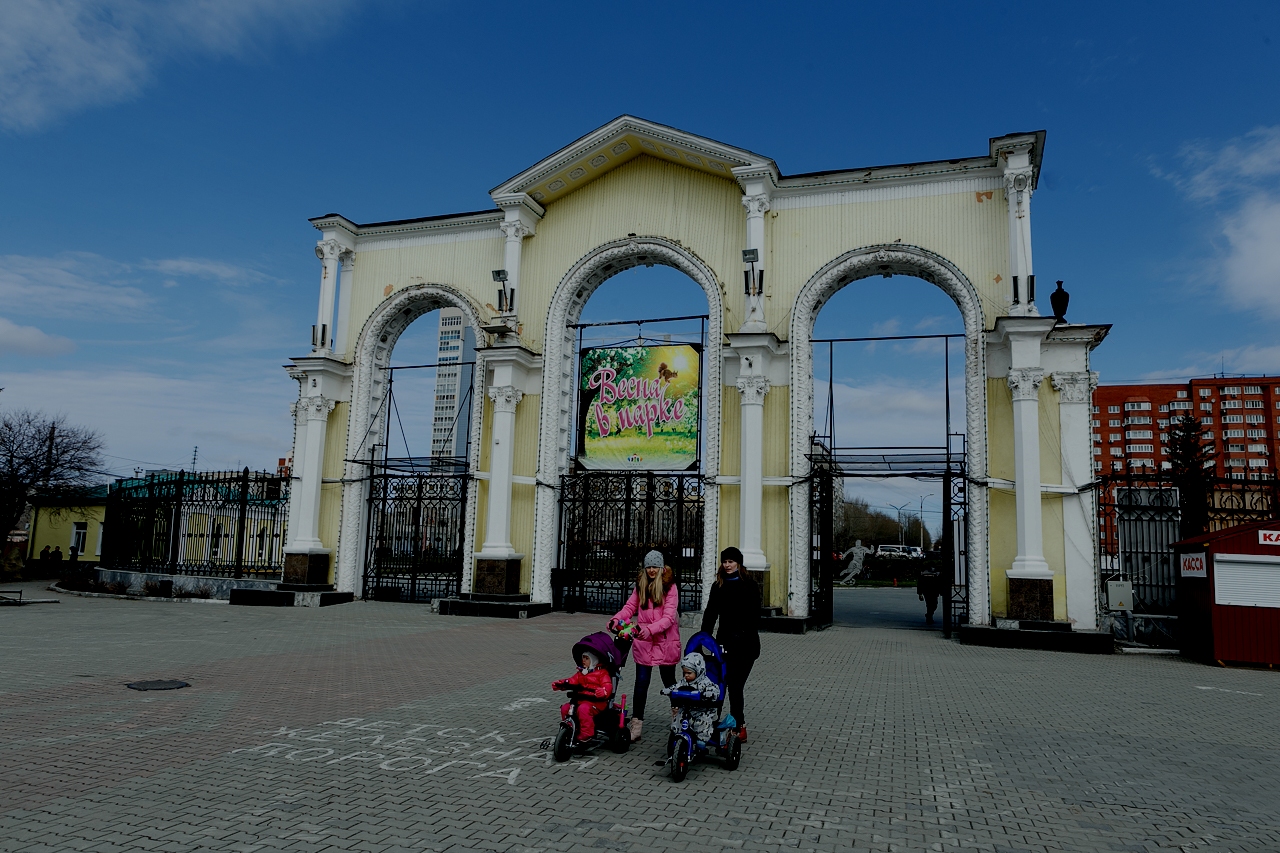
[55, 588]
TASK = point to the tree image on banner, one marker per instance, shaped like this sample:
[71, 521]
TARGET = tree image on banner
[640, 408]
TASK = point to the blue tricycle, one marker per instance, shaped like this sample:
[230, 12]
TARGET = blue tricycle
[683, 748]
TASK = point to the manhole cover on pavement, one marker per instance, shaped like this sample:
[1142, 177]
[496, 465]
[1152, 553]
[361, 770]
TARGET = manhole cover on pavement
[157, 685]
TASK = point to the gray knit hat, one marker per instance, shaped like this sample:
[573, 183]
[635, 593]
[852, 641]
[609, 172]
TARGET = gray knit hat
[654, 560]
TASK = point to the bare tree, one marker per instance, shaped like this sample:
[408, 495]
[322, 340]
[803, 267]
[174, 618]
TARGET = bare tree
[43, 455]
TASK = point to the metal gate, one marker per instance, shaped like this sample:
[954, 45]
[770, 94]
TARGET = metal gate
[417, 524]
[942, 464]
[610, 519]
[224, 524]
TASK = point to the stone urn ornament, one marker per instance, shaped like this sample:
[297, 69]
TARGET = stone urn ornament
[1060, 299]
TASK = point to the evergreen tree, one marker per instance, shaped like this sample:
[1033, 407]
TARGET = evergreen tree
[1192, 462]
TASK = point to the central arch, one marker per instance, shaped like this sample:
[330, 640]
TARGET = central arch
[558, 370]
[889, 260]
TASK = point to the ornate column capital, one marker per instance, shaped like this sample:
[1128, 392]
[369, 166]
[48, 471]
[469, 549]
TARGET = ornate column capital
[316, 408]
[757, 204]
[505, 398]
[347, 257]
[1018, 184]
[328, 250]
[1024, 382]
[753, 389]
[1075, 386]
[514, 229]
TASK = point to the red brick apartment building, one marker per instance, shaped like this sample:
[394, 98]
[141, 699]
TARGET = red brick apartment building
[1130, 424]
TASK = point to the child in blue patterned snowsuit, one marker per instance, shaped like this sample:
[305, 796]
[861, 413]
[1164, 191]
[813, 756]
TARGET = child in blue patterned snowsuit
[702, 721]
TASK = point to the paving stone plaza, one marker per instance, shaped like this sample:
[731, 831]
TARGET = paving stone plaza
[382, 727]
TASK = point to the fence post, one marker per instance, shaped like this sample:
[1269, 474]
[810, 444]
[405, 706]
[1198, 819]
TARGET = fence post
[241, 520]
[175, 525]
[948, 554]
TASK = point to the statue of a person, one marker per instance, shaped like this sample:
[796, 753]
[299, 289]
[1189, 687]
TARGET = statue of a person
[853, 562]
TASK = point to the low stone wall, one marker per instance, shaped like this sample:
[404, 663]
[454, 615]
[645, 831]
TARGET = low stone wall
[218, 587]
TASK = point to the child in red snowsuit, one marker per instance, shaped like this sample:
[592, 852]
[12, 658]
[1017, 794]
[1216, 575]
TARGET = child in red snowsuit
[592, 680]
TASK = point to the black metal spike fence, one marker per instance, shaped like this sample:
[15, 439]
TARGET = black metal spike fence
[212, 524]
[1141, 516]
[610, 519]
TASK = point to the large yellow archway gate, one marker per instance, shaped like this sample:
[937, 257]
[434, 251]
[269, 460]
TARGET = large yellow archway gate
[635, 192]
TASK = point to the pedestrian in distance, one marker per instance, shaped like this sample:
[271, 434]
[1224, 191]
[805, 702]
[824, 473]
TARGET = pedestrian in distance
[928, 587]
[44, 554]
[735, 603]
[57, 554]
[654, 608]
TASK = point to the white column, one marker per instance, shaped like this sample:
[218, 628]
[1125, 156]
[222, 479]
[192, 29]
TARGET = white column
[327, 251]
[514, 232]
[305, 535]
[347, 260]
[497, 528]
[751, 500]
[1024, 382]
[757, 204]
[299, 411]
[1019, 180]
[1075, 395]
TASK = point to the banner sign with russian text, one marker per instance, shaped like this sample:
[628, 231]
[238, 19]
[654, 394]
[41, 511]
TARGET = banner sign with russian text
[639, 408]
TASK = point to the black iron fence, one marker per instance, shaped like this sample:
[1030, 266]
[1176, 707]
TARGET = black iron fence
[417, 526]
[1140, 516]
[213, 524]
[610, 519]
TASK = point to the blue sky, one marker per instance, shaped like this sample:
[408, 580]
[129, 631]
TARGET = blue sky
[160, 160]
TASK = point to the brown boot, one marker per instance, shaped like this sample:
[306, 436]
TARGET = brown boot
[634, 727]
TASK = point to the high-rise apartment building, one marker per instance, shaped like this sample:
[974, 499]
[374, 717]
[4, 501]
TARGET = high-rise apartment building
[1240, 418]
[451, 421]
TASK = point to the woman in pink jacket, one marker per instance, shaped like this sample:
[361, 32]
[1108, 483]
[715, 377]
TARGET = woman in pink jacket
[654, 607]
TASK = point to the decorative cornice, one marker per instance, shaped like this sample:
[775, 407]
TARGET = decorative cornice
[753, 389]
[505, 398]
[1024, 382]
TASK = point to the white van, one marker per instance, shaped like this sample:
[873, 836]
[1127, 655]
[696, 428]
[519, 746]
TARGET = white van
[893, 551]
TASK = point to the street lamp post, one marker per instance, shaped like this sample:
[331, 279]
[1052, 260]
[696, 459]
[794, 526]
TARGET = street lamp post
[922, 497]
[902, 531]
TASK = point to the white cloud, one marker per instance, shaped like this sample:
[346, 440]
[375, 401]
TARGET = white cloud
[28, 340]
[891, 412]
[60, 56]
[238, 417]
[72, 285]
[206, 269]
[1240, 182]
[1251, 268]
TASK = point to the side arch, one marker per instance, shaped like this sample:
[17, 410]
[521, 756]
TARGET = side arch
[590, 271]
[887, 260]
[365, 423]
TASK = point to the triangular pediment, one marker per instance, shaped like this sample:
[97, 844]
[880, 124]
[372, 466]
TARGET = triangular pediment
[618, 142]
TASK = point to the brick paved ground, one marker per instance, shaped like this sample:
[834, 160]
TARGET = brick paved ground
[380, 727]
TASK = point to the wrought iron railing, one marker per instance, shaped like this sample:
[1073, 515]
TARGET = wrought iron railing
[610, 519]
[212, 524]
[1140, 517]
[417, 525]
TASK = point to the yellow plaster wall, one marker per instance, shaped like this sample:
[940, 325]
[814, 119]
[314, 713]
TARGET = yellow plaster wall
[464, 263]
[647, 197]
[972, 235]
[1003, 537]
[53, 527]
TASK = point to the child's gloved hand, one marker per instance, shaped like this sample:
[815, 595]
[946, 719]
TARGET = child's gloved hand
[602, 693]
[666, 691]
[613, 625]
[639, 633]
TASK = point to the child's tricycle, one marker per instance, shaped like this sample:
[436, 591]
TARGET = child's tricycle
[683, 745]
[593, 720]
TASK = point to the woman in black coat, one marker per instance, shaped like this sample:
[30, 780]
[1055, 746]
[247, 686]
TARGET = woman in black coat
[735, 601]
